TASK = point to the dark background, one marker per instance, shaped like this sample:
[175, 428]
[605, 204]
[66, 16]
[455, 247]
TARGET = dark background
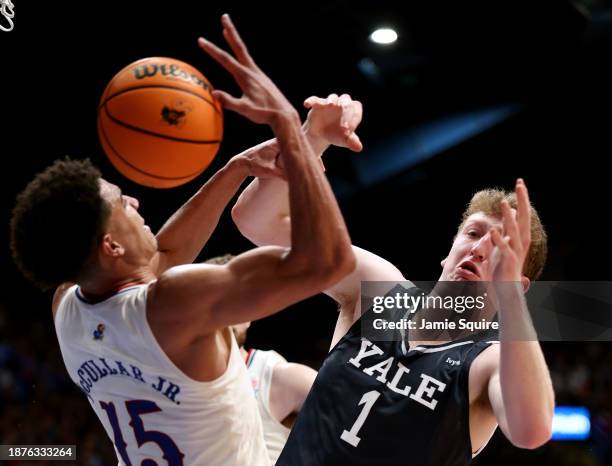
[546, 60]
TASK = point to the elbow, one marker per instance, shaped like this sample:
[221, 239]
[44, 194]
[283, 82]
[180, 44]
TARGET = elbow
[238, 215]
[533, 436]
[342, 264]
[244, 223]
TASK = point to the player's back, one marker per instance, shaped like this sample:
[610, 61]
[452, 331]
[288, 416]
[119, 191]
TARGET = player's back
[149, 408]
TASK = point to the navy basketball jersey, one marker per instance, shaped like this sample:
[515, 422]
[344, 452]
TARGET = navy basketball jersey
[379, 403]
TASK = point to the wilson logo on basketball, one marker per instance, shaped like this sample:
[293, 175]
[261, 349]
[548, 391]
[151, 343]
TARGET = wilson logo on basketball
[150, 70]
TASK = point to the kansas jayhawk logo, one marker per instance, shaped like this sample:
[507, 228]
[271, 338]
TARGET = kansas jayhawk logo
[98, 333]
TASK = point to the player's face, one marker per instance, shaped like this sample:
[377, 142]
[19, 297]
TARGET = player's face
[126, 225]
[469, 257]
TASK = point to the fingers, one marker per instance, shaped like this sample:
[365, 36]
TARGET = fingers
[313, 101]
[235, 41]
[357, 114]
[352, 140]
[223, 58]
[523, 212]
[510, 225]
[332, 99]
[502, 243]
[344, 100]
[227, 101]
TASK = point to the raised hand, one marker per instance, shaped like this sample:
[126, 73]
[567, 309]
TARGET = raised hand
[510, 250]
[261, 101]
[263, 160]
[334, 120]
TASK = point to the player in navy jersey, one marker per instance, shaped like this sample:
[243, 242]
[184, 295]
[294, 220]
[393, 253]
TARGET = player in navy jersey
[414, 401]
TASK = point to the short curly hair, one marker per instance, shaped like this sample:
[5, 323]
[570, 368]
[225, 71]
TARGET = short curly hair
[488, 201]
[58, 220]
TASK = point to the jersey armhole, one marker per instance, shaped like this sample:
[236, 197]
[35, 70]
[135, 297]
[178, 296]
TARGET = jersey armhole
[473, 353]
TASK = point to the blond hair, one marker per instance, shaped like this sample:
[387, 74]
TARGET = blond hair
[488, 201]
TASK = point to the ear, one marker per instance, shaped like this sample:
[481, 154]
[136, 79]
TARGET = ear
[111, 248]
[526, 283]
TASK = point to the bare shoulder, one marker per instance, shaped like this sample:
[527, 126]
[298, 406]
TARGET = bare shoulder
[290, 373]
[59, 294]
[347, 292]
[482, 369]
[291, 383]
[174, 289]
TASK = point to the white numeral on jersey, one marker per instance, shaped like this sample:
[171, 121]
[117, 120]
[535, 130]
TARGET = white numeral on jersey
[368, 399]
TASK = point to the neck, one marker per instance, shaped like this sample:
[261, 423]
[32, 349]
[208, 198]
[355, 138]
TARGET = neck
[434, 324]
[99, 286]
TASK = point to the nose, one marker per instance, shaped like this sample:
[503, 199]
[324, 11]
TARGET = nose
[481, 249]
[133, 202]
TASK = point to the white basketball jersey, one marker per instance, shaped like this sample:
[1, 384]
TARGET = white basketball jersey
[261, 365]
[150, 408]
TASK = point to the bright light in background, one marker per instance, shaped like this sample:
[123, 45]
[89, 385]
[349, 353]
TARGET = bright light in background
[383, 36]
[571, 423]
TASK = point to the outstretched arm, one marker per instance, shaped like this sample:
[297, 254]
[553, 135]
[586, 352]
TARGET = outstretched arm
[517, 383]
[204, 298]
[291, 383]
[186, 232]
[262, 211]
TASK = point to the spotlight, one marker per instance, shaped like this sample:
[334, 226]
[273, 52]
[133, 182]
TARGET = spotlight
[383, 36]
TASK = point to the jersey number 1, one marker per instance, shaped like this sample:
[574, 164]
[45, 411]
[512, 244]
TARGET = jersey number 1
[368, 399]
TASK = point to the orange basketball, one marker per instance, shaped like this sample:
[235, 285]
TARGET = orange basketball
[158, 122]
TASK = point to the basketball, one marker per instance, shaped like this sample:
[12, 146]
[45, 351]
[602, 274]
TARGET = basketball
[159, 123]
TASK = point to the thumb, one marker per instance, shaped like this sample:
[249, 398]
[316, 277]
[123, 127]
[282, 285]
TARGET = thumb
[354, 143]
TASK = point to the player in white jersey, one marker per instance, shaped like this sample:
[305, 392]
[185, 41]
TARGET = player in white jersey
[146, 337]
[280, 389]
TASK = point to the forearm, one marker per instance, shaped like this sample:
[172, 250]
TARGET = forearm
[525, 382]
[318, 231]
[262, 212]
[184, 234]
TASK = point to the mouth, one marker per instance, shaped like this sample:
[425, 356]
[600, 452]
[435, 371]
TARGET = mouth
[468, 270]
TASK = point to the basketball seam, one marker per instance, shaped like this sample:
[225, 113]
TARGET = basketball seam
[159, 135]
[159, 86]
[120, 157]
